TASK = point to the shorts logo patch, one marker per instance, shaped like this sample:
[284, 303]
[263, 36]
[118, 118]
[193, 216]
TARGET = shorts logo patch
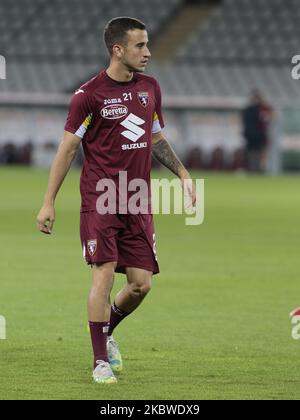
[92, 246]
[143, 98]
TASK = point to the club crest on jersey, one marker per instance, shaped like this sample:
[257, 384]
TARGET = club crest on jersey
[143, 98]
[92, 247]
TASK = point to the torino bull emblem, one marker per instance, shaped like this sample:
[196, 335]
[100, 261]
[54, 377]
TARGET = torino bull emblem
[143, 98]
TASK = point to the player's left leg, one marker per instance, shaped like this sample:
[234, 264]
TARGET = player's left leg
[138, 285]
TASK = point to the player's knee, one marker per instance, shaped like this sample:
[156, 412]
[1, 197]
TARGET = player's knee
[147, 287]
[141, 290]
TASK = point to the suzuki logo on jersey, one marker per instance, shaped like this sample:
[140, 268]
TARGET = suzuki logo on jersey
[143, 98]
[134, 131]
[113, 112]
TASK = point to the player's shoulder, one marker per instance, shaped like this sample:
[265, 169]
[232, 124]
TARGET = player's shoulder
[88, 88]
[148, 79]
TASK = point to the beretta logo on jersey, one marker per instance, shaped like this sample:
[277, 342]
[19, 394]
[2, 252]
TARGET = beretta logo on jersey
[143, 98]
[113, 112]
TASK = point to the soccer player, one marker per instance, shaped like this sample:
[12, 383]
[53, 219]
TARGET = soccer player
[117, 117]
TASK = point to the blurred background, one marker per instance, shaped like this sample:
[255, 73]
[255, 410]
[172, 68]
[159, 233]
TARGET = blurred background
[224, 66]
[227, 287]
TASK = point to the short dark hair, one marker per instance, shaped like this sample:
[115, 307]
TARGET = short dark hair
[117, 28]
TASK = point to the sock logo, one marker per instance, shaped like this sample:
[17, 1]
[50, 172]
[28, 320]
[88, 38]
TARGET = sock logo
[117, 310]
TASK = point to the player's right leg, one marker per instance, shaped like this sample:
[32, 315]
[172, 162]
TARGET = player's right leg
[96, 229]
[99, 314]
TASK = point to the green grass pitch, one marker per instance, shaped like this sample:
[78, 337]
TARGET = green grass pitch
[215, 326]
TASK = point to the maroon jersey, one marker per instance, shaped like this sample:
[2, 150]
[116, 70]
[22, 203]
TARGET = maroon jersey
[115, 121]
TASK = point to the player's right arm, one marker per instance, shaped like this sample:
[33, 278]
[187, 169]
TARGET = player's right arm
[59, 169]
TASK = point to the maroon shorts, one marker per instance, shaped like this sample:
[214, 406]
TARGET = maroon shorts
[127, 239]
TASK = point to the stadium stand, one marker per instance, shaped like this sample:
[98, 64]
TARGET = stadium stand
[241, 44]
[53, 46]
[215, 56]
[246, 31]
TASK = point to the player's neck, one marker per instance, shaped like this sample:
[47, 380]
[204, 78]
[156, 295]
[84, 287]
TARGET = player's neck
[119, 74]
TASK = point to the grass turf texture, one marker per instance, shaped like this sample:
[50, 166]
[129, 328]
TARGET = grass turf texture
[215, 325]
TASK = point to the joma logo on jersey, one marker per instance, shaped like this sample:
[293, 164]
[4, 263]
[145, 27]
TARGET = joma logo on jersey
[112, 101]
[113, 112]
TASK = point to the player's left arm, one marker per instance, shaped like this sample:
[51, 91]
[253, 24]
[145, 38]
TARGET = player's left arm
[164, 153]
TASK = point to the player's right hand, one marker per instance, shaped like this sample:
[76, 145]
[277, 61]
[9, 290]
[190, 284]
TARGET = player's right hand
[45, 219]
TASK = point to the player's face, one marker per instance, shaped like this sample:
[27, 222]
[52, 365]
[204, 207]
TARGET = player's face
[136, 53]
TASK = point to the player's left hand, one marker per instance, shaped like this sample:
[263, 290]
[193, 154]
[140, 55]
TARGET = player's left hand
[189, 189]
[46, 219]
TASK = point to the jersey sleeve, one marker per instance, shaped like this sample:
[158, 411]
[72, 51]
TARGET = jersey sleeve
[158, 121]
[80, 114]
